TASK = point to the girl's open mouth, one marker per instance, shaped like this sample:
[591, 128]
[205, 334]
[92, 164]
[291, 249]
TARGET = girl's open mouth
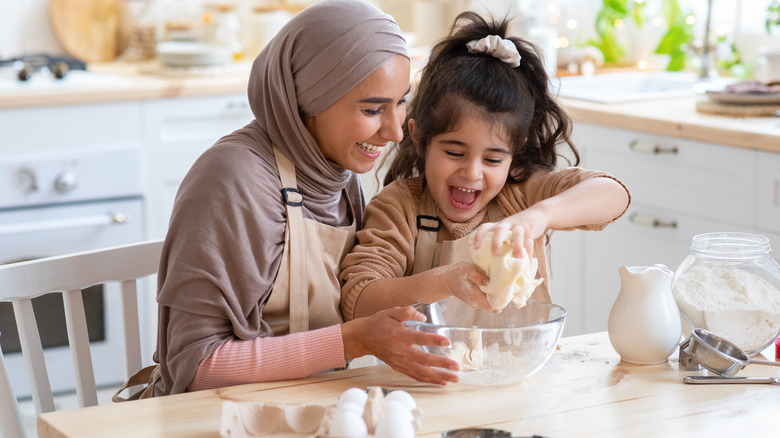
[463, 198]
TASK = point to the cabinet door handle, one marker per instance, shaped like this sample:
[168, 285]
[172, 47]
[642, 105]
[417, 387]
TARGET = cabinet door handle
[648, 220]
[776, 198]
[647, 147]
[66, 223]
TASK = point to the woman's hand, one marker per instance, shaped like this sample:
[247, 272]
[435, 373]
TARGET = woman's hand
[461, 280]
[384, 336]
[521, 229]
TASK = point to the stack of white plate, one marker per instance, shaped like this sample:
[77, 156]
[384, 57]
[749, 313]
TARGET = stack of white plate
[193, 54]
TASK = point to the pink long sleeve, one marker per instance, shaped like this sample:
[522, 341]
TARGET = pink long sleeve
[271, 358]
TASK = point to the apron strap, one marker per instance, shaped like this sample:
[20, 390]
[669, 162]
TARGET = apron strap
[428, 253]
[428, 226]
[293, 201]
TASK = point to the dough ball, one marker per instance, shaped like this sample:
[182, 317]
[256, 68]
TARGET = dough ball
[511, 278]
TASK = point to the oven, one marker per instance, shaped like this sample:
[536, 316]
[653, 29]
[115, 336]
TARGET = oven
[62, 201]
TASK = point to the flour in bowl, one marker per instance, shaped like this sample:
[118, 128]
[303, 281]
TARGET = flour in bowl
[493, 365]
[736, 304]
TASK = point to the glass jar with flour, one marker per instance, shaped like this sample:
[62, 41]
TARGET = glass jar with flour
[730, 285]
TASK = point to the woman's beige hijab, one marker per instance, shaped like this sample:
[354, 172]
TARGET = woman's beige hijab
[226, 234]
[324, 52]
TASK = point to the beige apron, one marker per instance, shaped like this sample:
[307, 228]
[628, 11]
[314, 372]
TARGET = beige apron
[429, 253]
[307, 292]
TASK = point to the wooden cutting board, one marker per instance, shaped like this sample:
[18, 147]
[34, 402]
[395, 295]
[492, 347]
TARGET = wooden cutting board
[90, 30]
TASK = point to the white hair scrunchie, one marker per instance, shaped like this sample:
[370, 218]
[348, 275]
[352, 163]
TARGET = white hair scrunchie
[497, 47]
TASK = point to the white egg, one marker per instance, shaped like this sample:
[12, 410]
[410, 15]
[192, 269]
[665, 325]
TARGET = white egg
[397, 411]
[347, 424]
[393, 428]
[348, 406]
[353, 395]
[403, 397]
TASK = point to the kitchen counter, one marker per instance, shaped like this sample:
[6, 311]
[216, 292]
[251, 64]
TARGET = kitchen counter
[583, 391]
[673, 117]
[134, 84]
[679, 118]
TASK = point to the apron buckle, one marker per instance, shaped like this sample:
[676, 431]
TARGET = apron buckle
[297, 198]
[430, 220]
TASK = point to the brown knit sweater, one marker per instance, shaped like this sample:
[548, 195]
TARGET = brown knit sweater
[386, 243]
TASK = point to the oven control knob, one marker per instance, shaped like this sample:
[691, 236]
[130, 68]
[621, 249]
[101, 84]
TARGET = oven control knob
[25, 180]
[66, 182]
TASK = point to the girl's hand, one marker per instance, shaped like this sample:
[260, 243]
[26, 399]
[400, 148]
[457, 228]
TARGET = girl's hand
[521, 229]
[384, 336]
[462, 280]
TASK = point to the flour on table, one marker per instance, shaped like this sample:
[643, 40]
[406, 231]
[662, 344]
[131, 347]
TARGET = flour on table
[511, 278]
[736, 304]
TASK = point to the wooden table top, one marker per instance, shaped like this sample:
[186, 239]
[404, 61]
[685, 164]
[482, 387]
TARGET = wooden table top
[583, 391]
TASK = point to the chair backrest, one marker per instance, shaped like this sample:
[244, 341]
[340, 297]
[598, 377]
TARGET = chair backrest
[68, 275]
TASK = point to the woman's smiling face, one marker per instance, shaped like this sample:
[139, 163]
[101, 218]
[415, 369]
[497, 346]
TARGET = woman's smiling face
[352, 131]
[467, 167]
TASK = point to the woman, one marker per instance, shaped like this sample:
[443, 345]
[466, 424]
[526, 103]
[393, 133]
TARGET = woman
[248, 281]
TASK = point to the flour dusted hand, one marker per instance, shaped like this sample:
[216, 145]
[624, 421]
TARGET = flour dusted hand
[511, 278]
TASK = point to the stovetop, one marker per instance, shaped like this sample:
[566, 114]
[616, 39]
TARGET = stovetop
[42, 63]
[42, 71]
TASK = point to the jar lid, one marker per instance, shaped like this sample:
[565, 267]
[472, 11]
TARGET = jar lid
[732, 245]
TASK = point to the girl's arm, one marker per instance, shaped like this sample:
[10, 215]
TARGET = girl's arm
[460, 279]
[592, 201]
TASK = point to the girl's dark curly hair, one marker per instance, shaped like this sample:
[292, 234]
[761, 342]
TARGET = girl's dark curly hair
[454, 81]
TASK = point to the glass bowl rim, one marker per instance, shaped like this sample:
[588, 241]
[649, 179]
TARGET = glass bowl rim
[552, 306]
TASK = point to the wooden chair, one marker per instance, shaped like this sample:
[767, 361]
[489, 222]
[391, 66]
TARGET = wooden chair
[68, 275]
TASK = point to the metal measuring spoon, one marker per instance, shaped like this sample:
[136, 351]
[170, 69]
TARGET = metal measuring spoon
[481, 433]
[738, 380]
[719, 355]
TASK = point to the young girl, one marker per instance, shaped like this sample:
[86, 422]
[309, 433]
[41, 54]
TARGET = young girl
[480, 154]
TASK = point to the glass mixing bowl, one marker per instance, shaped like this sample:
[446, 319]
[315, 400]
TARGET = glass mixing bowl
[730, 285]
[493, 349]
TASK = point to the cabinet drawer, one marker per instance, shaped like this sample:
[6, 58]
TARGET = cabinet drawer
[703, 180]
[188, 126]
[50, 127]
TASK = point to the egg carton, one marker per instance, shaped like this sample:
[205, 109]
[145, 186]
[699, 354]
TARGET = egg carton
[255, 419]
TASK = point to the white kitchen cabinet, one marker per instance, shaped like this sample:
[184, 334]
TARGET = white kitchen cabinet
[680, 188]
[565, 273]
[48, 128]
[176, 132]
[768, 193]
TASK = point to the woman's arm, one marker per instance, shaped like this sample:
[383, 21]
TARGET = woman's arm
[270, 358]
[300, 355]
[384, 336]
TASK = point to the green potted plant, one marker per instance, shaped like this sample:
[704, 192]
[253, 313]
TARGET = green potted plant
[618, 13]
[772, 16]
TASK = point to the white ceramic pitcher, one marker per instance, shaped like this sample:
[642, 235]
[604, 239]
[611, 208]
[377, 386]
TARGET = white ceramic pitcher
[644, 324]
